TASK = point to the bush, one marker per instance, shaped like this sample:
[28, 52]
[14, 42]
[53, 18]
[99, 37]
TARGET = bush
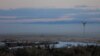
[34, 51]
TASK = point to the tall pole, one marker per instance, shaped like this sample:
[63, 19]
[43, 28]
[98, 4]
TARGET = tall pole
[84, 24]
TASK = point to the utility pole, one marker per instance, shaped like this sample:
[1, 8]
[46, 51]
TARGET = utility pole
[84, 25]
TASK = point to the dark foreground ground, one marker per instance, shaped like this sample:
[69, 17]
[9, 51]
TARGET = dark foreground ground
[47, 51]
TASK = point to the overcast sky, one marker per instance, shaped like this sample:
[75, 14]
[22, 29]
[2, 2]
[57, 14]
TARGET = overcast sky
[84, 8]
[12, 4]
[28, 11]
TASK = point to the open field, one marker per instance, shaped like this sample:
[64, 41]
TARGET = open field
[49, 38]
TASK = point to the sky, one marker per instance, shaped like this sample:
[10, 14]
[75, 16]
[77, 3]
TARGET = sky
[49, 10]
[12, 4]
[15, 15]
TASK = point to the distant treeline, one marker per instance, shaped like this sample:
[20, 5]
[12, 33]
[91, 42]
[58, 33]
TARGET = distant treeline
[48, 51]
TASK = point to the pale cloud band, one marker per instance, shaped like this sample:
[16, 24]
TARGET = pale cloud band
[63, 18]
[12, 4]
[8, 17]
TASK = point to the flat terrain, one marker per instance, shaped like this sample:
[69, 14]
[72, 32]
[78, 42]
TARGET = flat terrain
[49, 38]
